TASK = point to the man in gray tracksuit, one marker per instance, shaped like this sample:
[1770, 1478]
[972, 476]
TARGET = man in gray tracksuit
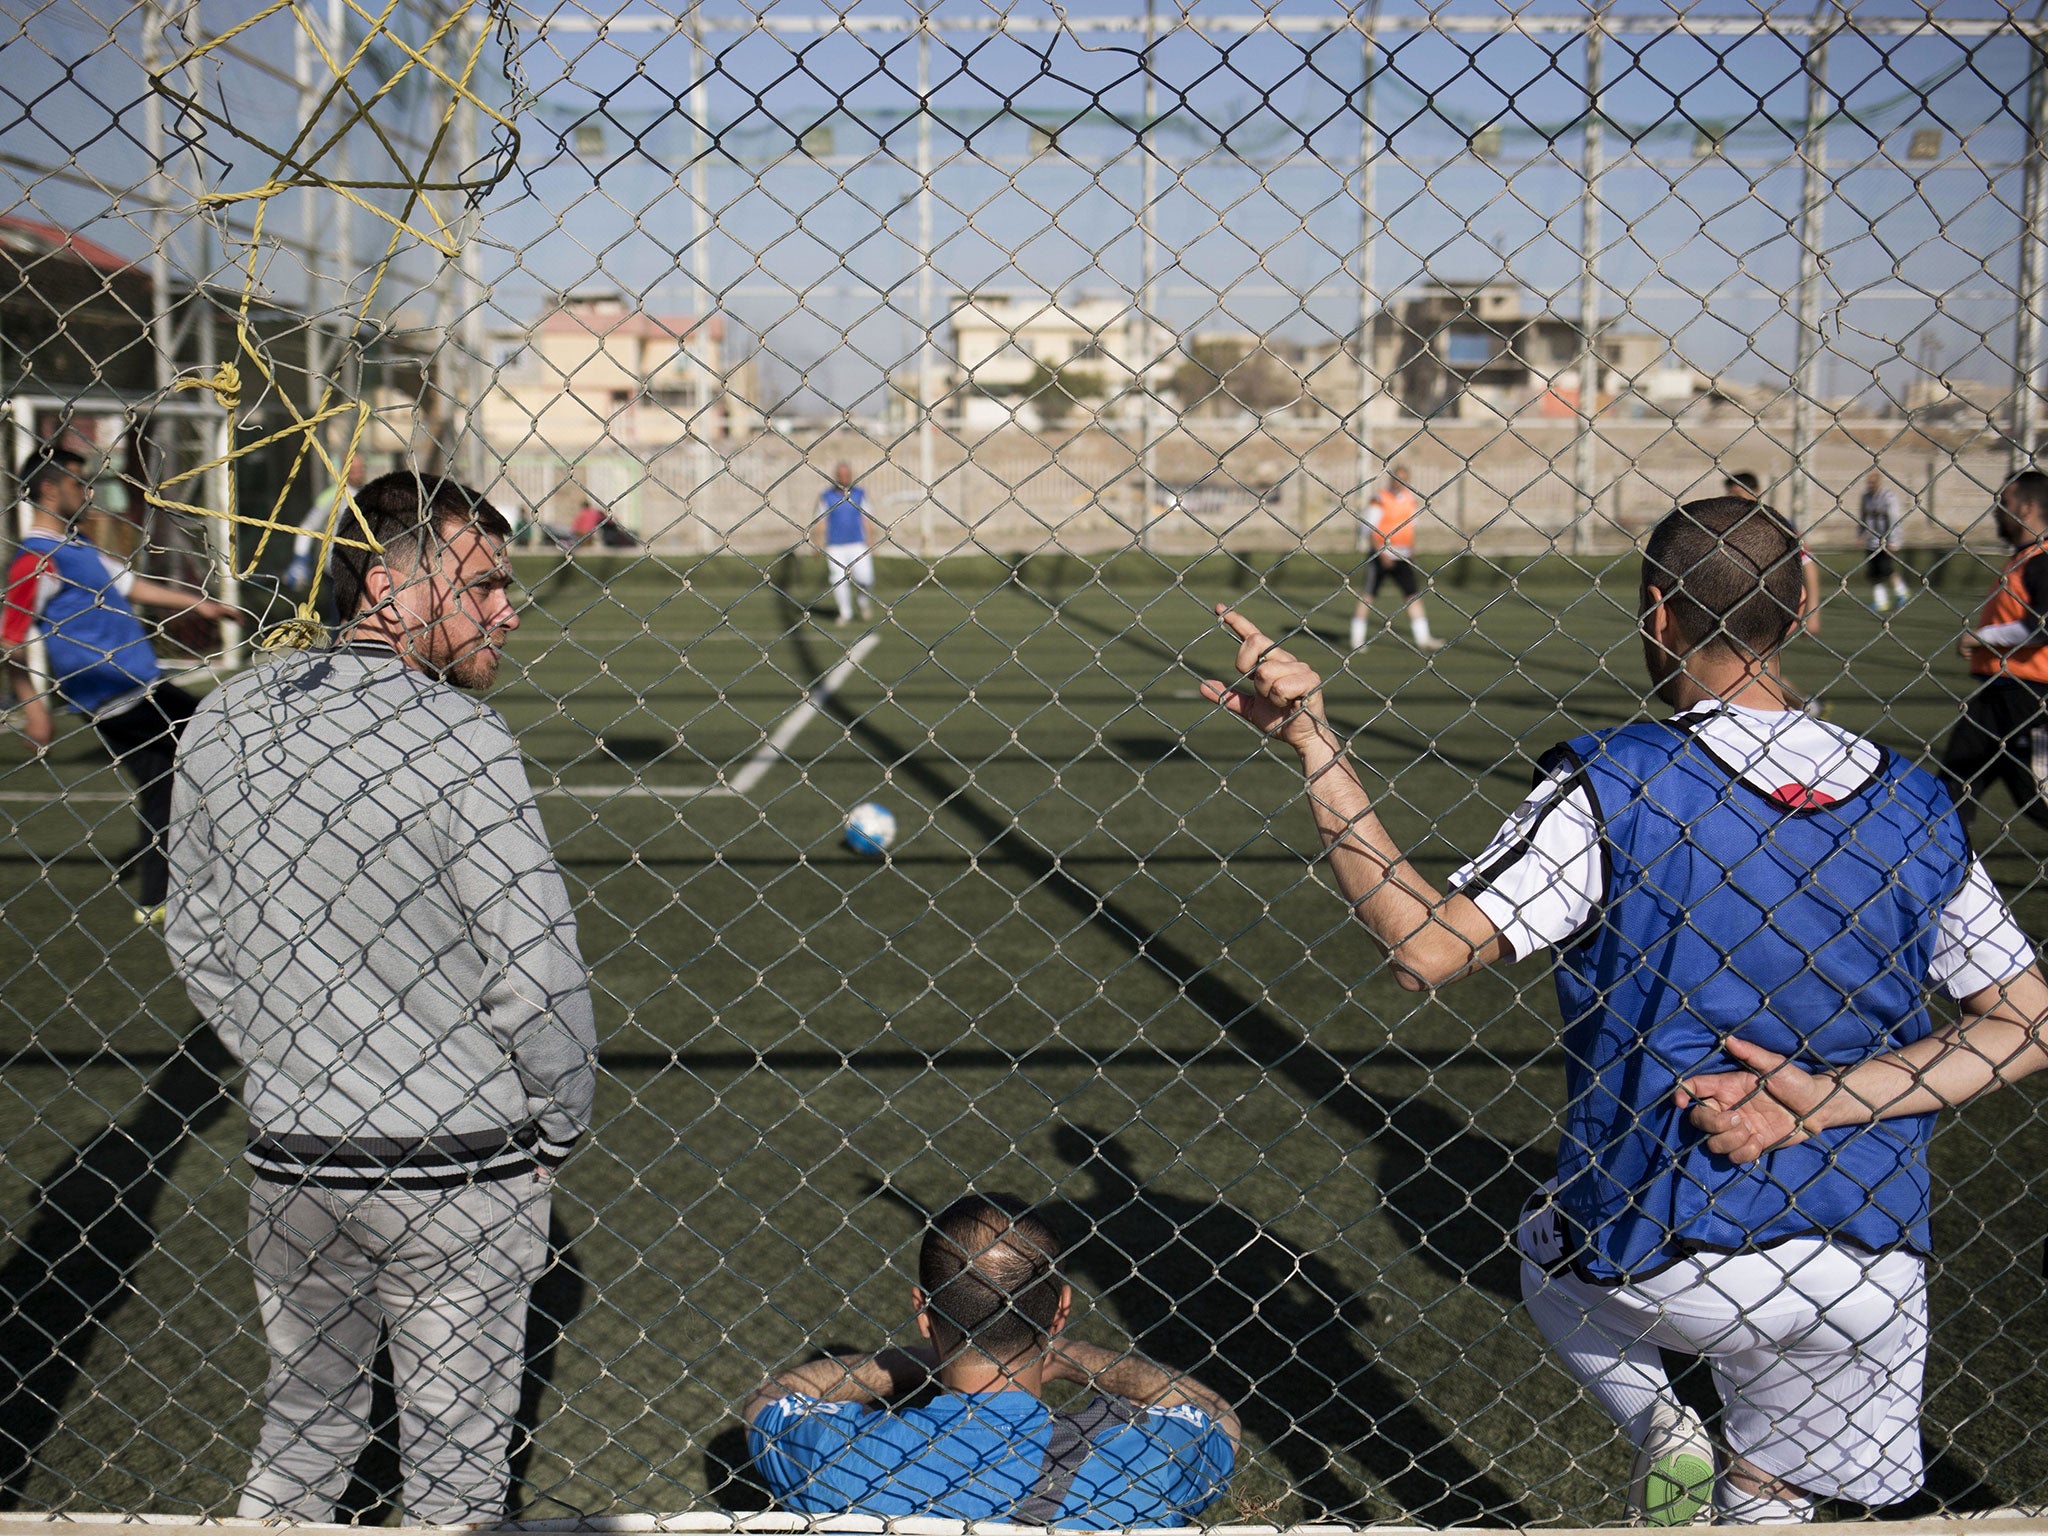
[364, 904]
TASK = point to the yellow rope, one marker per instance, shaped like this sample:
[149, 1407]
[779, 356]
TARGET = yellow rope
[297, 167]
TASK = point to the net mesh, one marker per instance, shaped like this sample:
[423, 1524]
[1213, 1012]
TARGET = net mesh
[1395, 331]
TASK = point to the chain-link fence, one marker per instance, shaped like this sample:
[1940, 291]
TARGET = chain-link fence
[881, 401]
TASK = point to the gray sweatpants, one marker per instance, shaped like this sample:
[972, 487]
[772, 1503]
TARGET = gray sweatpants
[449, 1272]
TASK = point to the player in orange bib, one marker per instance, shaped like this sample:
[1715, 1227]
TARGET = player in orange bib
[1387, 533]
[2004, 730]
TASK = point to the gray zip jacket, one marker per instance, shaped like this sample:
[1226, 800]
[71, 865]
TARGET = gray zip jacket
[364, 904]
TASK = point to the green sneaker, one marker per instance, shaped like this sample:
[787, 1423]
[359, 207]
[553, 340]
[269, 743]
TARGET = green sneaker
[1673, 1480]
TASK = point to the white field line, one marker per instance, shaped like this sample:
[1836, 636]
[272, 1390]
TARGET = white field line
[738, 787]
[758, 762]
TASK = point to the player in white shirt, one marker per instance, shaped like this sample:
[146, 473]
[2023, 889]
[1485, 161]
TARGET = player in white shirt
[1734, 887]
[1880, 525]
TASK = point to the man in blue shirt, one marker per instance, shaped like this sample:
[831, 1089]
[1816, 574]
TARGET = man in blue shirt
[1151, 1448]
[1737, 886]
[62, 590]
[842, 528]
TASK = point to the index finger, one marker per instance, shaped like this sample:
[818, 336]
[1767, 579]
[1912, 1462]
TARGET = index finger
[1239, 625]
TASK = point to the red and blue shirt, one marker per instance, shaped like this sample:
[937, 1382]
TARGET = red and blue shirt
[73, 596]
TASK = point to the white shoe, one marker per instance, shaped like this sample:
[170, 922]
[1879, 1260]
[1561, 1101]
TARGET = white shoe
[1672, 1482]
[1429, 646]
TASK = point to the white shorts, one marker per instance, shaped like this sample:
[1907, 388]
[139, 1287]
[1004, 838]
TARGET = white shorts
[1818, 1351]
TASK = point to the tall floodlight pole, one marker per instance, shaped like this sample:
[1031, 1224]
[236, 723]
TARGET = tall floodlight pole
[162, 343]
[927, 378]
[1806, 363]
[309, 214]
[702, 342]
[1585, 448]
[1369, 304]
[346, 356]
[476, 379]
[2027, 344]
[1148, 273]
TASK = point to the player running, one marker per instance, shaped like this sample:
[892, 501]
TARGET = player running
[1740, 878]
[1387, 532]
[64, 590]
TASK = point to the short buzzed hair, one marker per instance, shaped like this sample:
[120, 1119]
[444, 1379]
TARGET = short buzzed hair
[989, 1270]
[403, 511]
[2029, 488]
[47, 462]
[1745, 479]
[1729, 572]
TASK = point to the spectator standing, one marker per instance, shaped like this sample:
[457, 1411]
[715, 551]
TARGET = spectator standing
[1150, 1449]
[365, 906]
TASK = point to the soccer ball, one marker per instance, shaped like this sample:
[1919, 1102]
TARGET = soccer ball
[870, 829]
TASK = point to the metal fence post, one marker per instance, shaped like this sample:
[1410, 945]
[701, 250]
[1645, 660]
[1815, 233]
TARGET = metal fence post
[1584, 447]
[1369, 303]
[1148, 267]
[2033, 257]
[706, 307]
[1813, 198]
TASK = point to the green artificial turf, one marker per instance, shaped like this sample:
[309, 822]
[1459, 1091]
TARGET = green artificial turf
[1100, 966]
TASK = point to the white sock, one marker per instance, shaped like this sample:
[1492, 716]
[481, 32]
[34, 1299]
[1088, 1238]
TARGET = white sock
[1357, 631]
[1420, 624]
[1734, 1507]
[1880, 599]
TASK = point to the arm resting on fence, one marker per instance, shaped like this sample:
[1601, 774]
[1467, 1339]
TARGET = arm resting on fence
[1140, 1380]
[876, 1378]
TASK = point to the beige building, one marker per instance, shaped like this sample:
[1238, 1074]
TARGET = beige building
[1476, 352]
[1003, 350]
[1456, 351]
[596, 372]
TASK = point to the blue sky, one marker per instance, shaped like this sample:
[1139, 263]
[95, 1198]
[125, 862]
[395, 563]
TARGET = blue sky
[1256, 148]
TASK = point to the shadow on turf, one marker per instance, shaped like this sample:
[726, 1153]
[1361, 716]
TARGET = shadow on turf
[92, 1222]
[1456, 1191]
[1208, 1289]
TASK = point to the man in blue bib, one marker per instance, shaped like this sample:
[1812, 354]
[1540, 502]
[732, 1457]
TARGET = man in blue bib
[1151, 1448]
[843, 530]
[1738, 879]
